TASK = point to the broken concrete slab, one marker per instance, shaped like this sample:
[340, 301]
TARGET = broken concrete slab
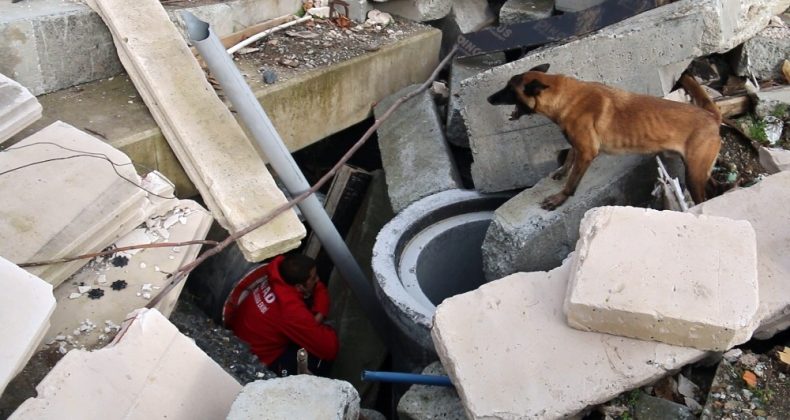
[52, 44]
[129, 279]
[18, 108]
[666, 276]
[575, 5]
[517, 11]
[413, 148]
[774, 159]
[647, 407]
[317, 397]
[25, 308]
[524, 237]
[761, 206]
[75, 204]
[568, 369]
[141, 375]
[460, 70]
[417, 10]
[763, 54]
[425, 402]
[199, 127]
[510, 155]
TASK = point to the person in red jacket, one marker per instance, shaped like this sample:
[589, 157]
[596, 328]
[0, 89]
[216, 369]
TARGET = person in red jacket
[285, 312]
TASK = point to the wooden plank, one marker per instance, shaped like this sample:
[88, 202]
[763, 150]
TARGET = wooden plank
[211, 146]
[732, 105]
[343, 199]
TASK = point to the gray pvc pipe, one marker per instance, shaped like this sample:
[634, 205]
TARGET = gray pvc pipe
[270, 143]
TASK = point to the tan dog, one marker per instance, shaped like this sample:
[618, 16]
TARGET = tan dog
[597, 118]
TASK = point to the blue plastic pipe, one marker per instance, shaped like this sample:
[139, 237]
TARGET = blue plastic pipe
[406, 378]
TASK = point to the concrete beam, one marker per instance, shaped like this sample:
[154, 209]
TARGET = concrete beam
[524, 237]
[665, 276]
[416, 158]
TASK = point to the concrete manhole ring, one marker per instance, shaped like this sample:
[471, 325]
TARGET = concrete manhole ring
[428, 252]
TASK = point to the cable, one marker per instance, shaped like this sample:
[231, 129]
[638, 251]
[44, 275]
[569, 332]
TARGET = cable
[80, 153]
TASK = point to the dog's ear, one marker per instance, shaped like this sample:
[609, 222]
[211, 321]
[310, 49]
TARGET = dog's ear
[541, 68]
[534, 88]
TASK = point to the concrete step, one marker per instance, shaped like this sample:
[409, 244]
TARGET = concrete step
[49, 45]
[308, 106]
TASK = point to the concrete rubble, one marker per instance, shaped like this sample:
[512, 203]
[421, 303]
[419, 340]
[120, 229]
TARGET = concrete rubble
[774, 159]
[199, 127]
[444, 401]
[517, 11]
[547, 369]
[464, 17]
[762, 55]
[417, 10]
[575, 5]
[18, 108]
[129, 279]
[758, 205]
[150, 371]
[521, 222]
[23, 294]
[413, 147]
[665, 276]
[315, 397]
[770, 102]
[62, 212]
[510, 155]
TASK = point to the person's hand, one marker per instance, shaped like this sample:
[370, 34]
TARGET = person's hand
[319, 317]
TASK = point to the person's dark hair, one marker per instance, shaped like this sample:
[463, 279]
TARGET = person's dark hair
[295, 268]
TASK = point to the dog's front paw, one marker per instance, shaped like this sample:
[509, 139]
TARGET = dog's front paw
[553, 201]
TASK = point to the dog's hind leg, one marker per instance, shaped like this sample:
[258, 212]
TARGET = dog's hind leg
[699, 163]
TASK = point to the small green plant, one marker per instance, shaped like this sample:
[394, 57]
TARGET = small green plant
[780, 111]
[765, 395]
[756, 130]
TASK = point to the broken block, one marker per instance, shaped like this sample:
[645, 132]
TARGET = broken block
[517, 11]
[510, 353]
[524, 237]
[25, 308]
[774, 102]
[763, 206]
[417, 10]
[18, 108]
[416, 158]
[774, 159]
[667, 276]
[516, 154]
[763, 55]
[150, 371]
[296, 397]
[426, 402]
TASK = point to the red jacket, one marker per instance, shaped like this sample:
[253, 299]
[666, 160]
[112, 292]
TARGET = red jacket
[275, 314]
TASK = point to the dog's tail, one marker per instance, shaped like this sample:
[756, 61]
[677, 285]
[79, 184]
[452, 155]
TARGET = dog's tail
[699, 96]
